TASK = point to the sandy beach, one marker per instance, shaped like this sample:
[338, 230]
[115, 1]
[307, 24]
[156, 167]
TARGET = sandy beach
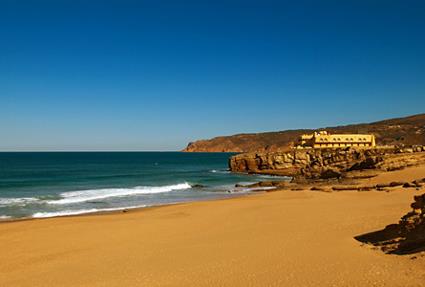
[282, 238]
[212, 143]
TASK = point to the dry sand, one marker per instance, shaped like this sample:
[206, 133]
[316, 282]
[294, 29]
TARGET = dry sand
[408, 174]
[282, 238]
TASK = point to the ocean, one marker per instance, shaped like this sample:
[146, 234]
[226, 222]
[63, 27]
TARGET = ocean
[48, 184]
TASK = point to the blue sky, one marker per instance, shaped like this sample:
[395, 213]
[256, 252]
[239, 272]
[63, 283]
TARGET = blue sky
[154, 75]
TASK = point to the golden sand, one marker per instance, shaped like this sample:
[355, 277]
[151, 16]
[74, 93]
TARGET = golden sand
[282, 238]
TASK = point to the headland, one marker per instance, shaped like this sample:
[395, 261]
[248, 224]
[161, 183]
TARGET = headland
[351, 216]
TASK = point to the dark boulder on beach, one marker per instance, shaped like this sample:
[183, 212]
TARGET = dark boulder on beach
[406, 237]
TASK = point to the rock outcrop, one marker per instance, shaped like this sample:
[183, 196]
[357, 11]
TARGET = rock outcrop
[326, 163]
[408, 236]
[401, 131]
[347, 184]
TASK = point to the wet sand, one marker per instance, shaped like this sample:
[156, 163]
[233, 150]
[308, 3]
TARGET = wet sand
[282, 238]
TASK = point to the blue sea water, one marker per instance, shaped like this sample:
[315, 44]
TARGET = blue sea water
[46, 184]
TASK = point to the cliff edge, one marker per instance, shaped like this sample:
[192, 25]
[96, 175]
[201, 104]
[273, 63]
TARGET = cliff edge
[326, 163]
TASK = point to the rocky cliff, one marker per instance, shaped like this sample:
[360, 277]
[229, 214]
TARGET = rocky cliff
[326, 163]
[400, 131]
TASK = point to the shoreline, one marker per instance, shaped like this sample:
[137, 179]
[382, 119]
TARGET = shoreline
[119, 210]
[381, 177]
[267, 239]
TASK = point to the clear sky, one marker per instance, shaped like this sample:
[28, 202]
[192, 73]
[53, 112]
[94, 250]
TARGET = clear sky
[154, 75]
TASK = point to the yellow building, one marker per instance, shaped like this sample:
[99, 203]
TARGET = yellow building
[323, 139]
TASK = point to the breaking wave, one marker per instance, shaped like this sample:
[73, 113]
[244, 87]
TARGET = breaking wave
[219, 171]
[249, 189]
[80, 211]
[95, 194]
[17, 201]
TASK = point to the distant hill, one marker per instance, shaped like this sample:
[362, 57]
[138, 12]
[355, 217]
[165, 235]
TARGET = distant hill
[408, 131]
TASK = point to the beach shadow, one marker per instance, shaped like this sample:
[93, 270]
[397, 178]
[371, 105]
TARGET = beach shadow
[391, 240]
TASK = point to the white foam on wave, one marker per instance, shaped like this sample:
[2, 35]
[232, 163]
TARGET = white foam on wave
[5, 217]
[219, 171]
[245, 188]
[81, 211]
[95, 194]
[17, 201]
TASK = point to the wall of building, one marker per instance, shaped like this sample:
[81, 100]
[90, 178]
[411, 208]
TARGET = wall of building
[324, 140]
